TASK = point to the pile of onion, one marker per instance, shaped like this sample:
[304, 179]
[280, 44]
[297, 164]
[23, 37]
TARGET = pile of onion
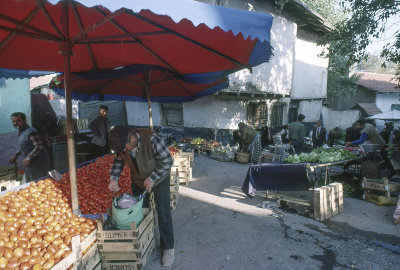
[36, 227]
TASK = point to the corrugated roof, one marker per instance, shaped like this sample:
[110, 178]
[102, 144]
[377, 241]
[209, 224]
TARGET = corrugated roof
[382, 83]
[369, 108]
[306, 17]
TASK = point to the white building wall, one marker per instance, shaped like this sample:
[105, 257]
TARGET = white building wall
[212, 112]
[311, 109]
[138, 113]
[310, 70]
[276, 76]
[384, 101]
[342, 119]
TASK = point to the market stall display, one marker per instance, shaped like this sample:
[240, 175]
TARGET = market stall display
[92, 182]
[38, 229]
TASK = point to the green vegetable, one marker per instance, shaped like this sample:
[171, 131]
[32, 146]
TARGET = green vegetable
[321, 155]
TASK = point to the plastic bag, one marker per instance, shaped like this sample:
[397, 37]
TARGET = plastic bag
[124, 217]
[127, 201]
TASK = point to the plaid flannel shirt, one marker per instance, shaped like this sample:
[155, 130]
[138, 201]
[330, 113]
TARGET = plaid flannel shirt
[161, 154]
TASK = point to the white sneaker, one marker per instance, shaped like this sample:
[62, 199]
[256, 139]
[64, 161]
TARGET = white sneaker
[167, 257]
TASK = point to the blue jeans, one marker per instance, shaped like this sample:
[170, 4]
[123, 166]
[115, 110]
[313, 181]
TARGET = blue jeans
[162, 201]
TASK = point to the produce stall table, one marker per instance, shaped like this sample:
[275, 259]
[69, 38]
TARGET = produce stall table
[287, 176]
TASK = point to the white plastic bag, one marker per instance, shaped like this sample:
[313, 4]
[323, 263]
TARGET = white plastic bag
[126, 201]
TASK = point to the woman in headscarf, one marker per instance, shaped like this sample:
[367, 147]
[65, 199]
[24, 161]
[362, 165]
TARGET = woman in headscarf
[250, 141]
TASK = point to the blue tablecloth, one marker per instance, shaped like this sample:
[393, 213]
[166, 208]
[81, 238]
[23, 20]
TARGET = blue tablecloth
[275, 176]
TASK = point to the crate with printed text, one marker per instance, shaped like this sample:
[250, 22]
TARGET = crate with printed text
[127, 249]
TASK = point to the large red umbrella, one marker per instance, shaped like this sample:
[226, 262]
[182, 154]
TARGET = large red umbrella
[141, 83]
[69, 36]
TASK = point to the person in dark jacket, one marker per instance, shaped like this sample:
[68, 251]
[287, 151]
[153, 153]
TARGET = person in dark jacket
[385, 135]
[100, 128]
[352, 133]
[297, 132]
[318, 135]
[150, 162]
[32, 147]
[250, 141]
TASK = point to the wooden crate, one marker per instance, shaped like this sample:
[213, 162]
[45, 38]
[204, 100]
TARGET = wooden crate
[182, 161]
[183, 175]
[127, 249]
[327, 201]
[188, 155]
[81, 252]
[381, 185]
[90, 260]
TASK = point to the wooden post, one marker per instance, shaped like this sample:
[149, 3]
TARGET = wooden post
[147, 87]
[66, 50]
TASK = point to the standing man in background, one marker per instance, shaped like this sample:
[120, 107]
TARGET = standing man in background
[318, 135]
[31, 146]
[100, 128]
[297, 132]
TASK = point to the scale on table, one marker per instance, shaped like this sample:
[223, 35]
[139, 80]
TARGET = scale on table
[373, 154]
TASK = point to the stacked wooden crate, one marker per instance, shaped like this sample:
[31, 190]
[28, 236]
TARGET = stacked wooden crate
[84, 255]
[127, 249]
[183, 167]
[328, 201]
[372, 188]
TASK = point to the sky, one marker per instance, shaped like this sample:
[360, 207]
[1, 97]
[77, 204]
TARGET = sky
[393, 25]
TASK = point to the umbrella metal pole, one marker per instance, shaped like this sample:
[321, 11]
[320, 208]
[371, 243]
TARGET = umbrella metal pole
[147, 86]
[66, 51]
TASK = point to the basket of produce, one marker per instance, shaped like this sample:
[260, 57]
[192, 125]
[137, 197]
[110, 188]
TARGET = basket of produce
[242, 157]
[198, 141]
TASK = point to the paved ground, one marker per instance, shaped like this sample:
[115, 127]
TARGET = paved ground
[218, 227]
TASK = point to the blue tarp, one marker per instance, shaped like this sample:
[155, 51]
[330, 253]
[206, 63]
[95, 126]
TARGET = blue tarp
[21, 74]
[275, 176]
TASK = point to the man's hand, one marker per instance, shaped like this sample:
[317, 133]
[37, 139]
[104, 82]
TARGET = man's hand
[113, 186]
[26, 162]
[13, 160]
[347, 143]
[148, 184]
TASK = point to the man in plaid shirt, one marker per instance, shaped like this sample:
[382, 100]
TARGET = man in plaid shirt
[150, 162]
[31, 146]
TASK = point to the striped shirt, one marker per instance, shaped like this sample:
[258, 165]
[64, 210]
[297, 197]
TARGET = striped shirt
[161, 154]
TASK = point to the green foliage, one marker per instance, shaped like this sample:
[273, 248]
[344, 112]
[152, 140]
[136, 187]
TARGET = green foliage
[367, 18]
[339, 82]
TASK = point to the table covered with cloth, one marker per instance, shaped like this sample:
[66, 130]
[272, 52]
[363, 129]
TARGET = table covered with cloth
[276, 176]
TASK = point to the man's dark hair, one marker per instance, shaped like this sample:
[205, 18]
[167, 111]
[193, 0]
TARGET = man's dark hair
[103, 107]
[118, 138]
[21, 114]
[301, 117]
[360, 121]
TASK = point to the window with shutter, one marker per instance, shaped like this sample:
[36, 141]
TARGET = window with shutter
[277, 115]
[257, 114]
[172, 114]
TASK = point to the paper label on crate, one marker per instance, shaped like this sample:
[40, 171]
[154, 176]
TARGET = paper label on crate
[116, 234]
